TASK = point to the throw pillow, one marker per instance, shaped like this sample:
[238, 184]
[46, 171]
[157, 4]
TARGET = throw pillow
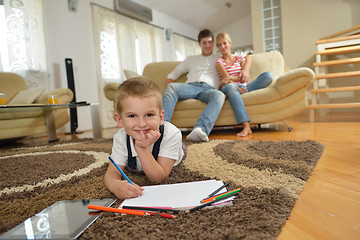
[27, 96]
[130, 74]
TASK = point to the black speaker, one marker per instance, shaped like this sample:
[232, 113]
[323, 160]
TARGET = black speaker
[71, 85]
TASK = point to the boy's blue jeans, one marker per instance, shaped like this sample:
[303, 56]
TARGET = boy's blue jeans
[200, 91]
[237, 104]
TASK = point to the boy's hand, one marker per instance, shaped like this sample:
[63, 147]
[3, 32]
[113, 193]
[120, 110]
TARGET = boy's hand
[146, 139]
[126, 190]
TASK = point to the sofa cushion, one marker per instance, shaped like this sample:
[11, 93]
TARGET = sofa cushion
[267, 62]
[27, 96]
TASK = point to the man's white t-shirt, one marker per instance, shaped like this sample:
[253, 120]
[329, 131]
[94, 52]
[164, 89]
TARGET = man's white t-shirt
[199, 69]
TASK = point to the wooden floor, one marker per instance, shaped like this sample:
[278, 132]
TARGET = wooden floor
[329, 206]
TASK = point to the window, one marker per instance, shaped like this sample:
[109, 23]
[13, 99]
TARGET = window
[22, 41]
[272, 25]
[122, 43]
[185, 47]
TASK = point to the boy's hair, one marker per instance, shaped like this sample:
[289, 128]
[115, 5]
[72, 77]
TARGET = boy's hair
[223, 35]
[139, 87]
[205, 33]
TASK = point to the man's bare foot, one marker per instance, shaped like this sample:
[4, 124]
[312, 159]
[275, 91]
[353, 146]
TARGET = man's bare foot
[246, 130]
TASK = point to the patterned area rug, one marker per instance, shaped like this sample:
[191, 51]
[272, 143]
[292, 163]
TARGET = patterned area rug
[270, 174]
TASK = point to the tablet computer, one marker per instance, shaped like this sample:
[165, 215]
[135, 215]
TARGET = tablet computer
[62, 220]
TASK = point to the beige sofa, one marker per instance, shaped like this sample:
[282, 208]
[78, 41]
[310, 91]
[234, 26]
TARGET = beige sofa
[284, 97]
[23, 122]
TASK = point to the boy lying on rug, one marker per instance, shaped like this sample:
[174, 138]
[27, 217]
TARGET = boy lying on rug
[145, 142]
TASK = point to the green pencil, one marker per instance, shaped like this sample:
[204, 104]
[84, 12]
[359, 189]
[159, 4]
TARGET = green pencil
[220, 195]
[209, 203]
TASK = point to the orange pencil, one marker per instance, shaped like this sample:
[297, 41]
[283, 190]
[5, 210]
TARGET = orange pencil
[128, 211]
[118, 210]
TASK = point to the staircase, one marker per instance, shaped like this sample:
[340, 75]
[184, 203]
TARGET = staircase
[336, 44]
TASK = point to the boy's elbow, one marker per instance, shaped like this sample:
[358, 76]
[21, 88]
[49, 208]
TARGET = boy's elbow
[157, 179]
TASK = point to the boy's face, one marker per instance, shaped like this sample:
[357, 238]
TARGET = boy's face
[139, 115]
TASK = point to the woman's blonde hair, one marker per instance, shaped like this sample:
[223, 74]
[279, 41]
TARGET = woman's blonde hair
[223, 35]
[139, 87]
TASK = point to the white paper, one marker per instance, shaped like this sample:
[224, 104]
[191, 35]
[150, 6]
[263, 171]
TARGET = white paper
[180, 195]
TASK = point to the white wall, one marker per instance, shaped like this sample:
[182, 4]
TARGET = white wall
[69, 35]
[304, 22]
[240, 32]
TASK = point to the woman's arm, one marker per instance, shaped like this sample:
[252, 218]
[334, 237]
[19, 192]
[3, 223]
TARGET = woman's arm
[245, 69]
[226, 78]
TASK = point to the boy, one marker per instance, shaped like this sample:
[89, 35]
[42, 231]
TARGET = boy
[139, 114]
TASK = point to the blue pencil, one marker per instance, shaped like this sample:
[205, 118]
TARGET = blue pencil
[121, 171]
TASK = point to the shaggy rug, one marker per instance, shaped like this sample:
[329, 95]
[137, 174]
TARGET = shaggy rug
[270, 174]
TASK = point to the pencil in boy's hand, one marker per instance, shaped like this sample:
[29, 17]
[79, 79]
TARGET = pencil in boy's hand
[121, 171]
[211, 202]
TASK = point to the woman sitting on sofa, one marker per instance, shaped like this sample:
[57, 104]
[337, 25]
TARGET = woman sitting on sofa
[234, 76]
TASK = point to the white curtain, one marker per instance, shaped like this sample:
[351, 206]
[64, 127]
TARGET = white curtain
[185, 47]
[23, 48]
[122, 43]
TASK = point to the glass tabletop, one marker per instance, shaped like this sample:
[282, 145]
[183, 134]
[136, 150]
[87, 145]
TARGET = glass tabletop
[39, 107]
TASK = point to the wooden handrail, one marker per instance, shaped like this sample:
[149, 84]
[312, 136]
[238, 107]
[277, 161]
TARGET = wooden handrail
[342, 32]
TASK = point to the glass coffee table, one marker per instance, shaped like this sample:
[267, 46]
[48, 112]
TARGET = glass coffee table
[50, 120]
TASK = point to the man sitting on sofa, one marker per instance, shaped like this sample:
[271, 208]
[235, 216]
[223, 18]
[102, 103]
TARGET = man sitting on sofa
[202, 84]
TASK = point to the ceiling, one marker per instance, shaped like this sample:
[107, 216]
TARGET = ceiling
[212, 14]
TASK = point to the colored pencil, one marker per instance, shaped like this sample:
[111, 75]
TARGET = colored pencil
[156, 209]
[219, 195]
[210, 203]
[118, 210]
[217, 190]
[121, 171]
[128, 211]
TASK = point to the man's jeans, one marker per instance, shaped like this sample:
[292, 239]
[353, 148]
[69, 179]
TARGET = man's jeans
[200, 91]
[237, 104]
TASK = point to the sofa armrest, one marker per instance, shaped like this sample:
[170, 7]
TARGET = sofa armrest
[293, 80]
[110, 90]
[65, 96]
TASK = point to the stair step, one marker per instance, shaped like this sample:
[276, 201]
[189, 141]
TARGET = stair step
[338, 39]
[340, 50]
[337, 89]
[338, 75]
[335, 105]
[338, 62]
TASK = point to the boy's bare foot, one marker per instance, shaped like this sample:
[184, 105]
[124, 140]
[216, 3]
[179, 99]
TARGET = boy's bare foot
[246, 130]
